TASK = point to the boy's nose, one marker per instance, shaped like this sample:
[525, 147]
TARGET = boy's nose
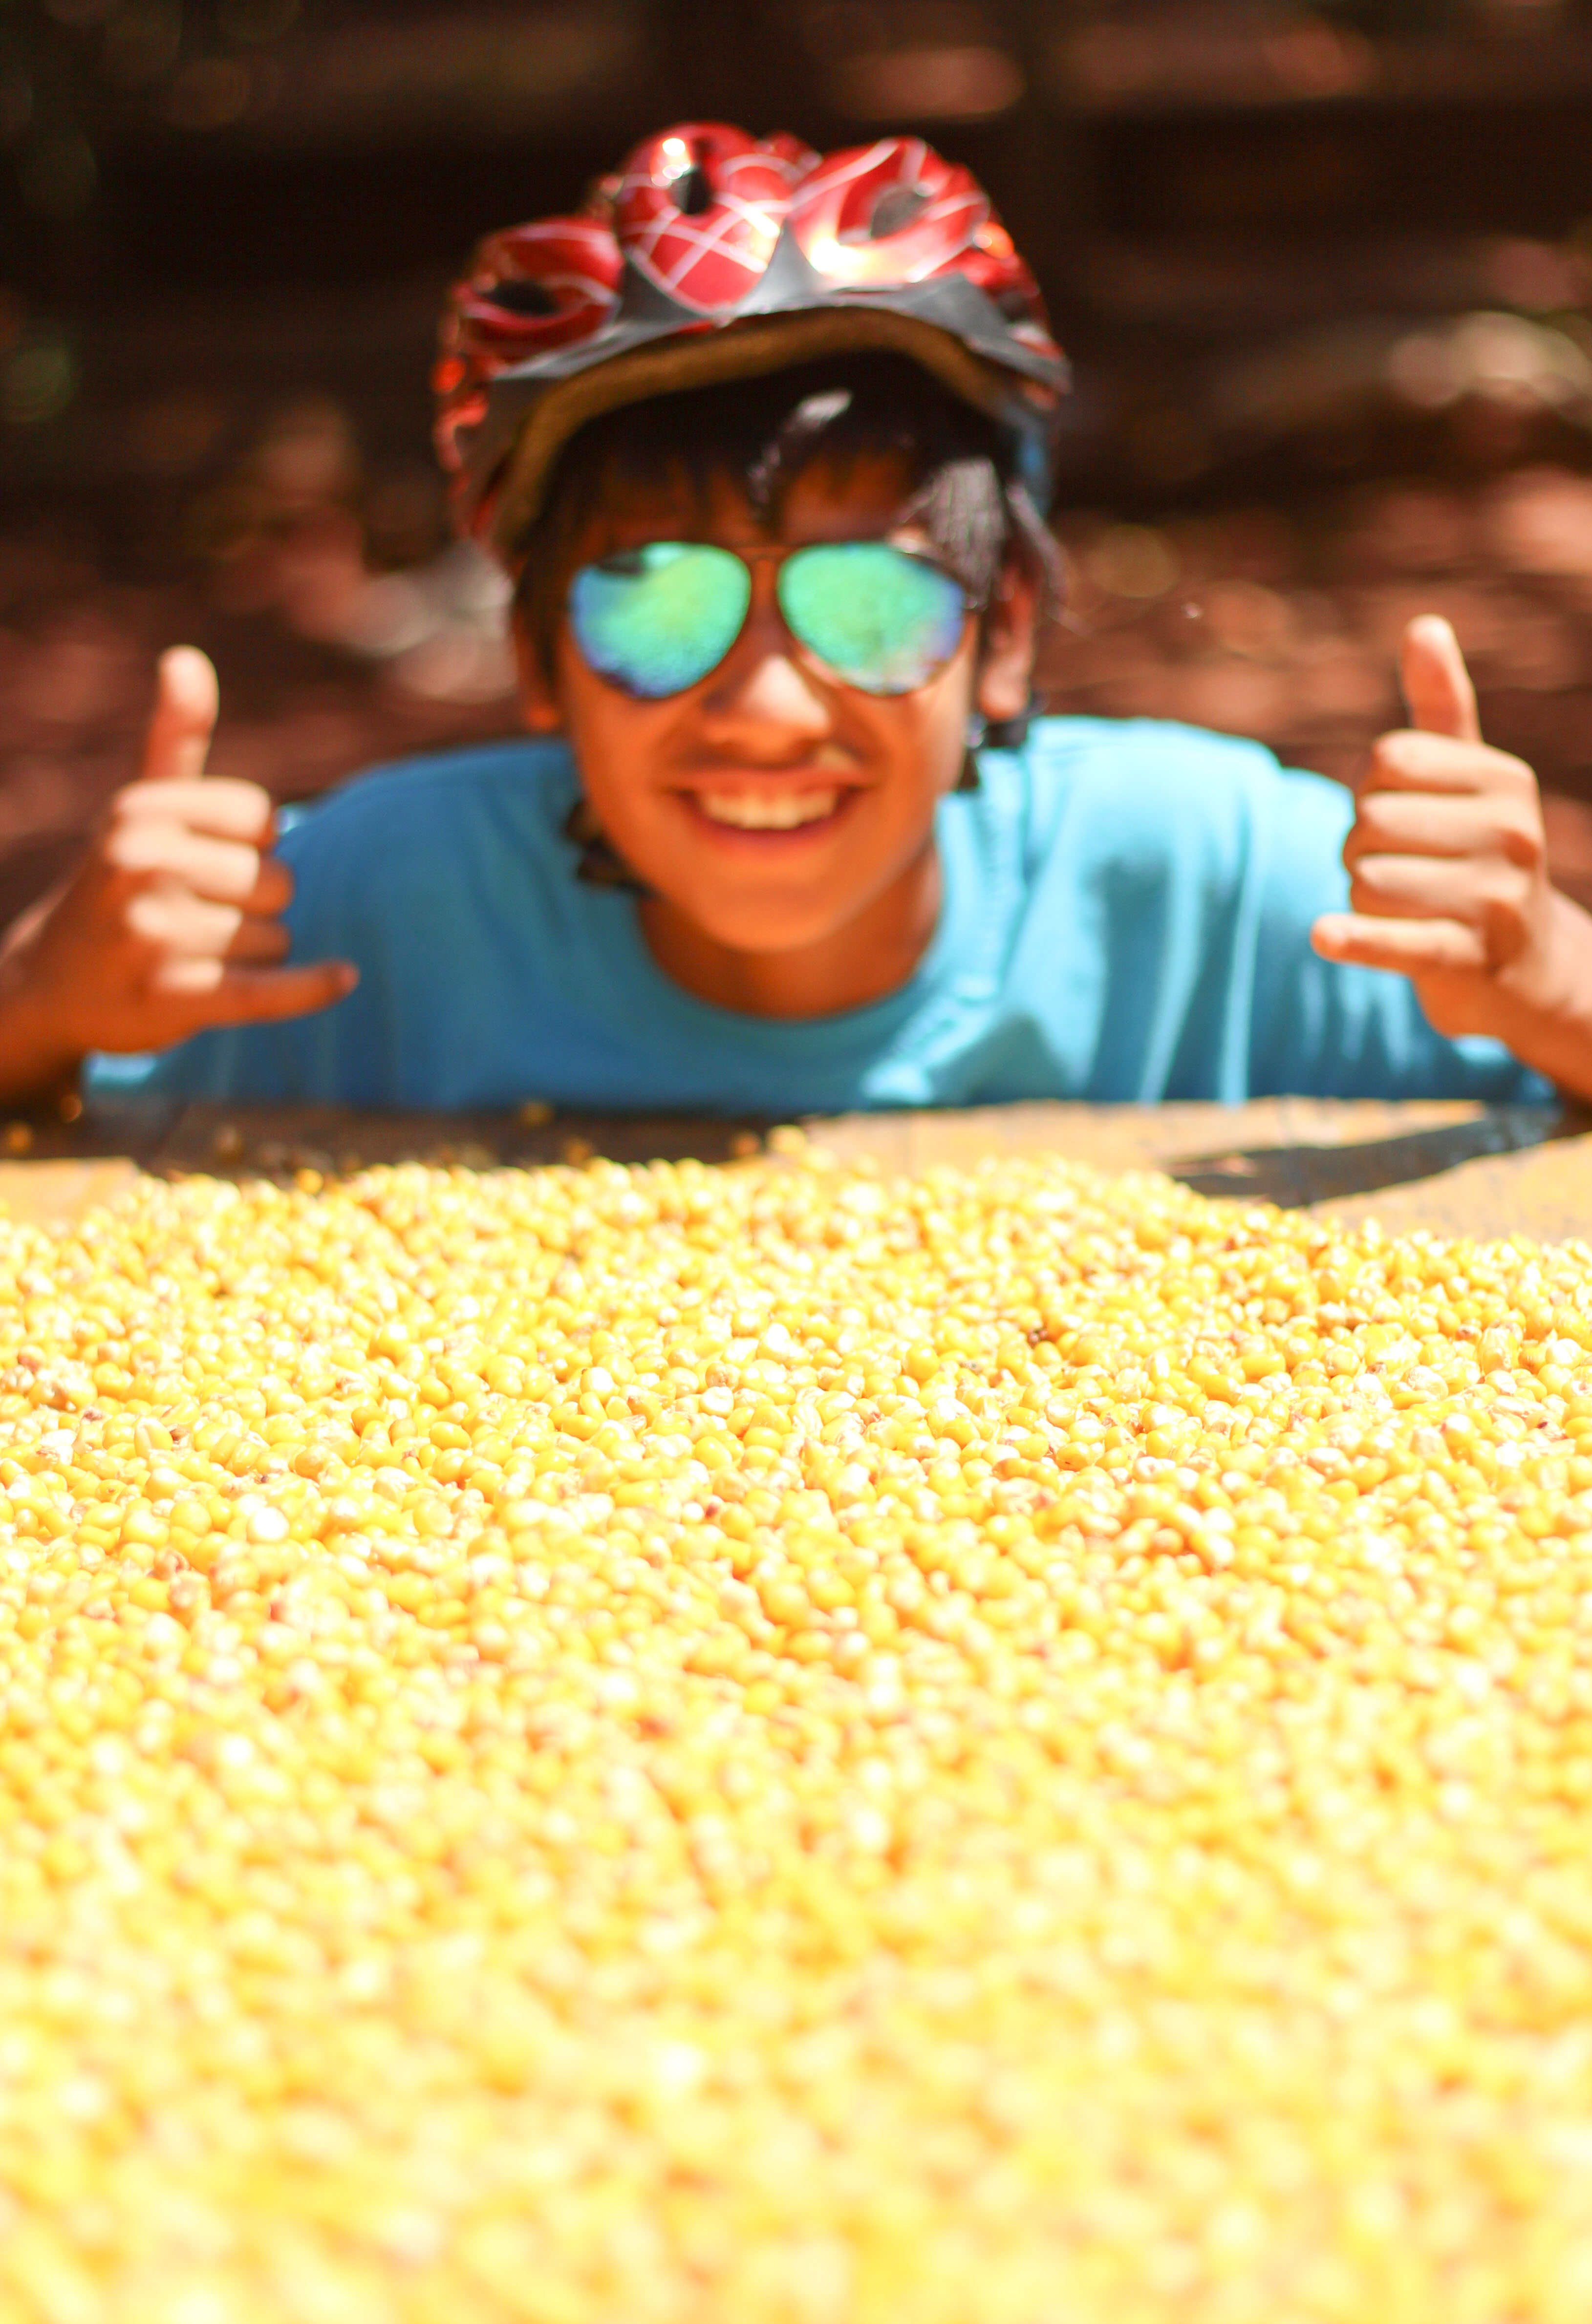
[771, 690]
[763, 689]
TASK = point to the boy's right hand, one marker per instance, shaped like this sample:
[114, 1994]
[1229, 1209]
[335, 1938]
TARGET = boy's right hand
[171, 924]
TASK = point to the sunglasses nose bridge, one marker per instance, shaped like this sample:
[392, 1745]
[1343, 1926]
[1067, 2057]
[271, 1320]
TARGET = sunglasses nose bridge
[765, 624]
[768, 676]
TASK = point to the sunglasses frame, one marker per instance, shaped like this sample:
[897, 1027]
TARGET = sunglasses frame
[779, 553]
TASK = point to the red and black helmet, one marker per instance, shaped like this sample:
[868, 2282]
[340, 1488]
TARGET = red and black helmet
[713, 255]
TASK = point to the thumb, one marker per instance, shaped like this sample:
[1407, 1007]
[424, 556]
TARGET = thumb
[187, 700]
[1437, 685]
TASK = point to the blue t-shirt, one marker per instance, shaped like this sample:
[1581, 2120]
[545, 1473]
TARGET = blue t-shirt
[1126, 916]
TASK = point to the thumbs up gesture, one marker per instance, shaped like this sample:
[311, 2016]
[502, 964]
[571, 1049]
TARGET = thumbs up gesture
[171, 924]
[1447, 867]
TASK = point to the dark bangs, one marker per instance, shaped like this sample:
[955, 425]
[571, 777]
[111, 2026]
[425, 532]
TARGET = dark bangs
[761, 434]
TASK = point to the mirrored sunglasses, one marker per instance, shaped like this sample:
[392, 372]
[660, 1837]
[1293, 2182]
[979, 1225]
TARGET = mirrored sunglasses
[655, 621]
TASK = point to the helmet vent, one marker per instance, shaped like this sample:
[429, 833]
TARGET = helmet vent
[690, 192]
[895, 210]
[519, 297]
[883, 247]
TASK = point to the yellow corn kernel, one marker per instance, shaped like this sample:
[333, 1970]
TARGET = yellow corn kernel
[778, 1747]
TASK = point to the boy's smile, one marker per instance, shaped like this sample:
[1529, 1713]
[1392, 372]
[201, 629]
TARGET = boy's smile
[782, 820]
[752, 810]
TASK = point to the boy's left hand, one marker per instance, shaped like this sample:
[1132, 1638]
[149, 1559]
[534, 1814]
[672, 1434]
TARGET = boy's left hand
[1448, 865]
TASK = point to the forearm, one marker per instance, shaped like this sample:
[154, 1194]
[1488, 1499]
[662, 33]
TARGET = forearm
[38, 1061]
[39, 1055]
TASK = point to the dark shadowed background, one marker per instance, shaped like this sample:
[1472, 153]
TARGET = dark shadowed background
[1326, 274]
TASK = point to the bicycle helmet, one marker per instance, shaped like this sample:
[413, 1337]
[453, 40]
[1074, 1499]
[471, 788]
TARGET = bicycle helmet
[711, 255]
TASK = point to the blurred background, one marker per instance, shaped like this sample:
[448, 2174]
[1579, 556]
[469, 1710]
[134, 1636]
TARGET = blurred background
[1325, 271]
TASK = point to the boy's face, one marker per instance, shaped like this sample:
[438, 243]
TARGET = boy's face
[770, 806]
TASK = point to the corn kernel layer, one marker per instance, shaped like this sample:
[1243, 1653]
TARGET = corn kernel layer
[766, 1746]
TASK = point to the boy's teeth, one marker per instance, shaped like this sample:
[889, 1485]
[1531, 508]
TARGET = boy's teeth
[766, 810]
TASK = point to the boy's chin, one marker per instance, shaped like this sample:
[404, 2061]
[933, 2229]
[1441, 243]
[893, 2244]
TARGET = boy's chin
[767, 932]
[761, 918]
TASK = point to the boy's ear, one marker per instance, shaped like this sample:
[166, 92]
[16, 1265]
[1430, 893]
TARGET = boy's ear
[1005, 670]
[539, 701]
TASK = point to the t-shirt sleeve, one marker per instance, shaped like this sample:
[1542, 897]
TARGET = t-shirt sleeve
[1319, 1028]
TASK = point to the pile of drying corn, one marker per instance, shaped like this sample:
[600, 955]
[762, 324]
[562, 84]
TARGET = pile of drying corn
[669, 1747]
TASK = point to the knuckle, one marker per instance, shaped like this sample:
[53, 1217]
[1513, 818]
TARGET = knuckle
[1384, 867]
[1522, 841]
[231, 872]
[249, 805]
[139, 911]
[1413, 750]
[1509, 773]
[1373, 834]
[1389, 748]
[121, 808]
[1501, 886]
[137, 802]
[132, 845]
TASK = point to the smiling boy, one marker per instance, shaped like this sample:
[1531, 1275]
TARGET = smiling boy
[763, 439]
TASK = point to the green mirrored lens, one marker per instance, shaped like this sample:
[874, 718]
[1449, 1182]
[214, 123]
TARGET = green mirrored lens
[879, 619]
[656, 619]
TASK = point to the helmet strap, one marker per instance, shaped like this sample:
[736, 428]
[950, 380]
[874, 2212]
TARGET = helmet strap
[994, 735]
[600, 863]
[1011, 733]
[977, 735]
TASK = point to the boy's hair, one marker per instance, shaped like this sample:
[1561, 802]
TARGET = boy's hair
[967, 494]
